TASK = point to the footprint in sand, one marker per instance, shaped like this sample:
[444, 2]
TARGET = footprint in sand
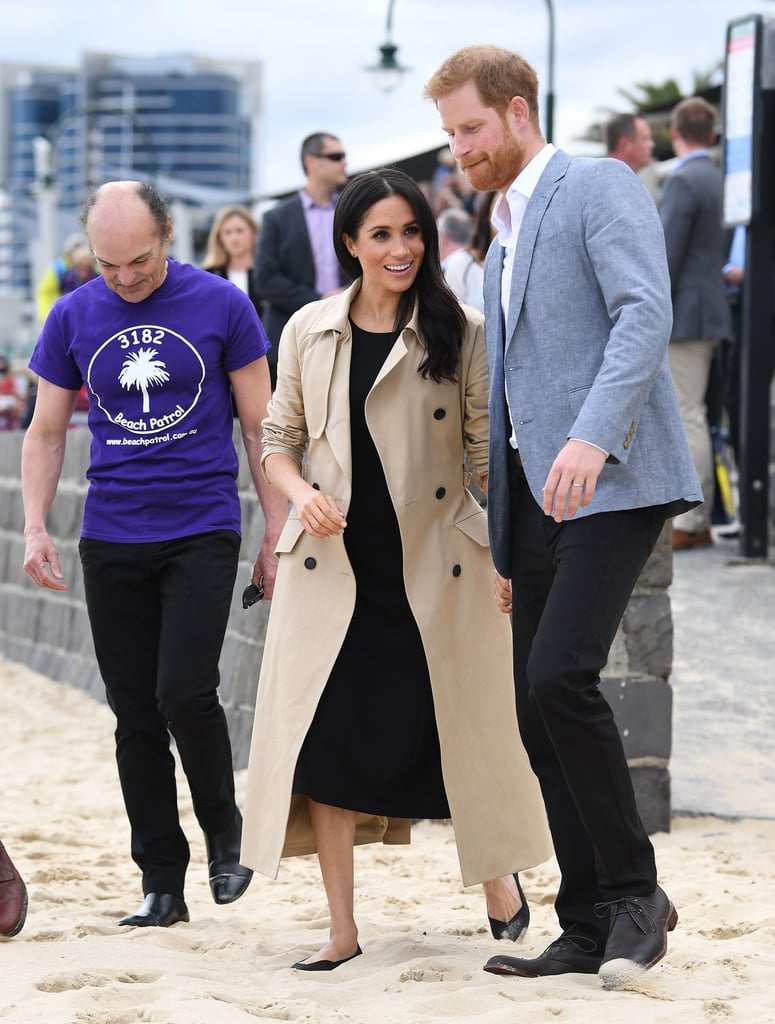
[91, 979]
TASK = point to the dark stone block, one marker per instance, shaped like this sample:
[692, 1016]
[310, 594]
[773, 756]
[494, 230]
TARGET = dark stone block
[658, 571]
[643, 710]
[652, 794]
[647, 631]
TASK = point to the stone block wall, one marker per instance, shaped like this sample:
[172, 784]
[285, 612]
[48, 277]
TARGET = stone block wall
[49, 631]
[635, 682]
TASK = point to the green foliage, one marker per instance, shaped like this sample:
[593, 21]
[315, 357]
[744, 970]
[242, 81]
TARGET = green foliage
[655, 100]
[667, 93]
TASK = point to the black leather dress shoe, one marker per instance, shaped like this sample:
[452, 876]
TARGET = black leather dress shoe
[228, 878]
[570, 954]
[637, 938]
[159, 910]
[517, 926]
[13, 897]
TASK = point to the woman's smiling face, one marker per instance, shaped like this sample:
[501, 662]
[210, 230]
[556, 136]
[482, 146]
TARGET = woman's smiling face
[389, 245]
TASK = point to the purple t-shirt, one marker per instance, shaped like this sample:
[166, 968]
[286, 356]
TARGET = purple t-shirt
[162, 463]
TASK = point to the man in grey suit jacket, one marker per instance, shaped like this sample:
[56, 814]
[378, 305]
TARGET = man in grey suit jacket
[690, 211]
[588, 458]
[296, 263]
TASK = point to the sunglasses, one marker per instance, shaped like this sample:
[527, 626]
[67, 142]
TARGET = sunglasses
[330, 156]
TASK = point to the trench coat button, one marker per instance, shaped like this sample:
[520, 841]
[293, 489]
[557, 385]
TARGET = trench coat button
[439, 414]
[310, 563]
[456, 570]
[316, 487]
[441, 491]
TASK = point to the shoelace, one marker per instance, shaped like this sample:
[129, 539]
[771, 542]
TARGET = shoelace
[628, 905]
[581, 942]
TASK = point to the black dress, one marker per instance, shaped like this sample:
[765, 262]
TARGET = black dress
[373, 745]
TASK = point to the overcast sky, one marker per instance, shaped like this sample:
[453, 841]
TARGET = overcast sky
[314, 52]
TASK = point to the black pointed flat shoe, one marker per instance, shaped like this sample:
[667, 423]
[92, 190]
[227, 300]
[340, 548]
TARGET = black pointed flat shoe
[326, 965]
[159, 910]
[228, 878]
[517, 926]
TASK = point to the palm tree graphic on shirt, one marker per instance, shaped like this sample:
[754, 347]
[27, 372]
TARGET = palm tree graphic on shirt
[142, 371]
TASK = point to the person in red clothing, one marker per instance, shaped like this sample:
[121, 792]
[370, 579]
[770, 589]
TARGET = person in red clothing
[11, 401]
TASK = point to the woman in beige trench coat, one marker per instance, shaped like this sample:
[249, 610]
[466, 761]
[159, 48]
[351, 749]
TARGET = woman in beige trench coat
[421, 428]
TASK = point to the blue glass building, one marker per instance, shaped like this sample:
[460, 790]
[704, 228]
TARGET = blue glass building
[184, 122]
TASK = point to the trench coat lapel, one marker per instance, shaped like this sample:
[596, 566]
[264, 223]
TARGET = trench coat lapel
[394, 357]
[326, 377]
[337, 386]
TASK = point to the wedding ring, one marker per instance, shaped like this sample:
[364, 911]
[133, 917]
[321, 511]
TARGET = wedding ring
[574, 484]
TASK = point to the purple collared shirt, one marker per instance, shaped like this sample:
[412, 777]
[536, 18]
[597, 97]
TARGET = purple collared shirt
[320, 226]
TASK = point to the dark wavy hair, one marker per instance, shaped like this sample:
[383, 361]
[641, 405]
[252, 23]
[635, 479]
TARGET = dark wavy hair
[483, 230]
[441, 320]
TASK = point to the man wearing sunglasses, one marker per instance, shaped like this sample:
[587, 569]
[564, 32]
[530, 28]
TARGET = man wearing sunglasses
[296, 263]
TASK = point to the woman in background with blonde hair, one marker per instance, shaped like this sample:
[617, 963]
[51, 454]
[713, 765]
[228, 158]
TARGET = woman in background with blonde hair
[231, 247]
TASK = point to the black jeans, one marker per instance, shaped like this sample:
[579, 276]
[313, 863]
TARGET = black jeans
[570, 586]
[158, 615]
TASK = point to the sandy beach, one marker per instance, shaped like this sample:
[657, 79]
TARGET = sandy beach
[424, 937]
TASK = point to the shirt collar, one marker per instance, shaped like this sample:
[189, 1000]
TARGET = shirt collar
[520, 191]
[690, 156]
[308, 202]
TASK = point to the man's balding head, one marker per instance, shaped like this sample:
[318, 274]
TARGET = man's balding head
[129, 228]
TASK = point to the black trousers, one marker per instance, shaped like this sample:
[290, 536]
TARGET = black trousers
[158, 615]
[570, 586]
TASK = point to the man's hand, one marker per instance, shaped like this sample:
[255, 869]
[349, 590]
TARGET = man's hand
[572, 479]
[266, 568]
[503, 594]
[41, 561]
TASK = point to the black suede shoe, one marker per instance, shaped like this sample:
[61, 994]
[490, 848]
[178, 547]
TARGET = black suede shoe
[517, 926]
[159, 910]
[570, 954]
[228, 879]
[637, 938]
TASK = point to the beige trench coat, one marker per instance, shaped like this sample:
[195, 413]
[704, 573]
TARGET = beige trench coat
[421, 430]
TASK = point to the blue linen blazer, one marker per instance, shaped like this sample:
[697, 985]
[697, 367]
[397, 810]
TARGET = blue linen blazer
[584, 352]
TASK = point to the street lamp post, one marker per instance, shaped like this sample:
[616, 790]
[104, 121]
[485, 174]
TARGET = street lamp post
[387, 73]
[550, 76]
[44, 248]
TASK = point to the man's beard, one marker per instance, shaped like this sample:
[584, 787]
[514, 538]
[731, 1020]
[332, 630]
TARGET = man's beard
[500, 167]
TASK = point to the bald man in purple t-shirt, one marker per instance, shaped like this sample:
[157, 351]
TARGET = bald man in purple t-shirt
[161, 346]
